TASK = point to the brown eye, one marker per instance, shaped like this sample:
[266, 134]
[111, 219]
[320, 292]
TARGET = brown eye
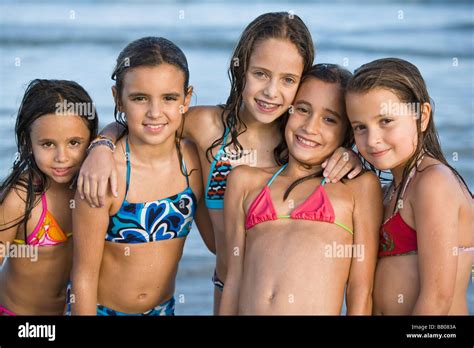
[358, 128]
[329, 119]
[47, 145]
[302, 110]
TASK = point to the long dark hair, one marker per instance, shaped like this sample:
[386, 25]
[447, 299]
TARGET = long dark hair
[405, 80]
[41, 97]
[330, 73]
[149, 51]
[278, 25]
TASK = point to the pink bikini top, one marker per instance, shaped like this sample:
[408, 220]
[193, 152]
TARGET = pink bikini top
[317, 207]
[47, 232]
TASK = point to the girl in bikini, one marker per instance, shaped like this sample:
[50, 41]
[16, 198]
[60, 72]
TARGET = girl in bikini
[293, 253]
[273, 53]
[36, 198]
[126, 253]
[424, 262]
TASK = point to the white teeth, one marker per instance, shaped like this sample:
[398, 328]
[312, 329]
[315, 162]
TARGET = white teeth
[306, 142]
[152, 126]
[266, 105]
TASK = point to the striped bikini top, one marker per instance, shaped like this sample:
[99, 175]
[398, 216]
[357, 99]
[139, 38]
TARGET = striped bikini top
[217, 178]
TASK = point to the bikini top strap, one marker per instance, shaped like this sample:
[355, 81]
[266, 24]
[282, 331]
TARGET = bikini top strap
[224, 141]
[410, 177]
[127, 157]
[276, 174]
[44, 207]
[44, 203]
[226, 133]
[183, 165]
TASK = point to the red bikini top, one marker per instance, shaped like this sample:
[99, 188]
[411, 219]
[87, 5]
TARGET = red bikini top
[396, 236]
[317, 207]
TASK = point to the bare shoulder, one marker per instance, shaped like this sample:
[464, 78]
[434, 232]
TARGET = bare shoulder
[435, 178]
[190, 153]
[12, 211]
[248, 177]
[365, 183]
[203, 121]
[13, 206]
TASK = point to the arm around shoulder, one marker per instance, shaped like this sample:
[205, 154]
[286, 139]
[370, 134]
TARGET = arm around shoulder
[89, 228]
[367, 218]
[234, 216]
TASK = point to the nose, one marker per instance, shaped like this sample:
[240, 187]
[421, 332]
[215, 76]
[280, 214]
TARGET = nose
[312, 125]
[271, 89]
[373, 137]
[61, 155]
[154, 110]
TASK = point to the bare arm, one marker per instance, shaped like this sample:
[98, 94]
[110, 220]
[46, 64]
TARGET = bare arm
[11, 210]
[204, 225]
[367, 218]
[234, 242]
[98, 168]
[436, 223]
[341, 162]
[89, 228]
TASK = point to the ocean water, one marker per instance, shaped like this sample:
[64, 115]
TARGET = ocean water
[80, 40]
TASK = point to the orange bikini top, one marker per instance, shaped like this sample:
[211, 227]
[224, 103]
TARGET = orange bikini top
[47, 232]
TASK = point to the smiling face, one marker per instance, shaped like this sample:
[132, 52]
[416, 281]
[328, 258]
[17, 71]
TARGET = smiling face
[59, 144]
[272, 79]
[153, 101]
[384, 127]
[318, 123]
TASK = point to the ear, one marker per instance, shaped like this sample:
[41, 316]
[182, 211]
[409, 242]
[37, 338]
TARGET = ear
[187, 99]
[116, 98]
[425, 115]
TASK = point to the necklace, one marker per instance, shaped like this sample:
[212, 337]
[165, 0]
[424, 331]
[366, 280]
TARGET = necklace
[391, 191]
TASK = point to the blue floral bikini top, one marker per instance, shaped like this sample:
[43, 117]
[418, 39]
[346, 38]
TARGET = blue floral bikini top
[165, 218]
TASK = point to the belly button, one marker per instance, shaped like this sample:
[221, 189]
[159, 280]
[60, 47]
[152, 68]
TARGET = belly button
[271, 296]
[142, 296]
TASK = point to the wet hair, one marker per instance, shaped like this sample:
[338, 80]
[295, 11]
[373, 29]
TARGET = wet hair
[149, 51]
[42, 97]
[276, 25]
[330, 73]
[404, 80]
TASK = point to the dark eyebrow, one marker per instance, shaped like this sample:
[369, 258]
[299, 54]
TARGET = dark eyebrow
[298, 102]
[172, 94]
[268, 71]
[141, 94]
[376, 116]
[333, 113]
[45, 140]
